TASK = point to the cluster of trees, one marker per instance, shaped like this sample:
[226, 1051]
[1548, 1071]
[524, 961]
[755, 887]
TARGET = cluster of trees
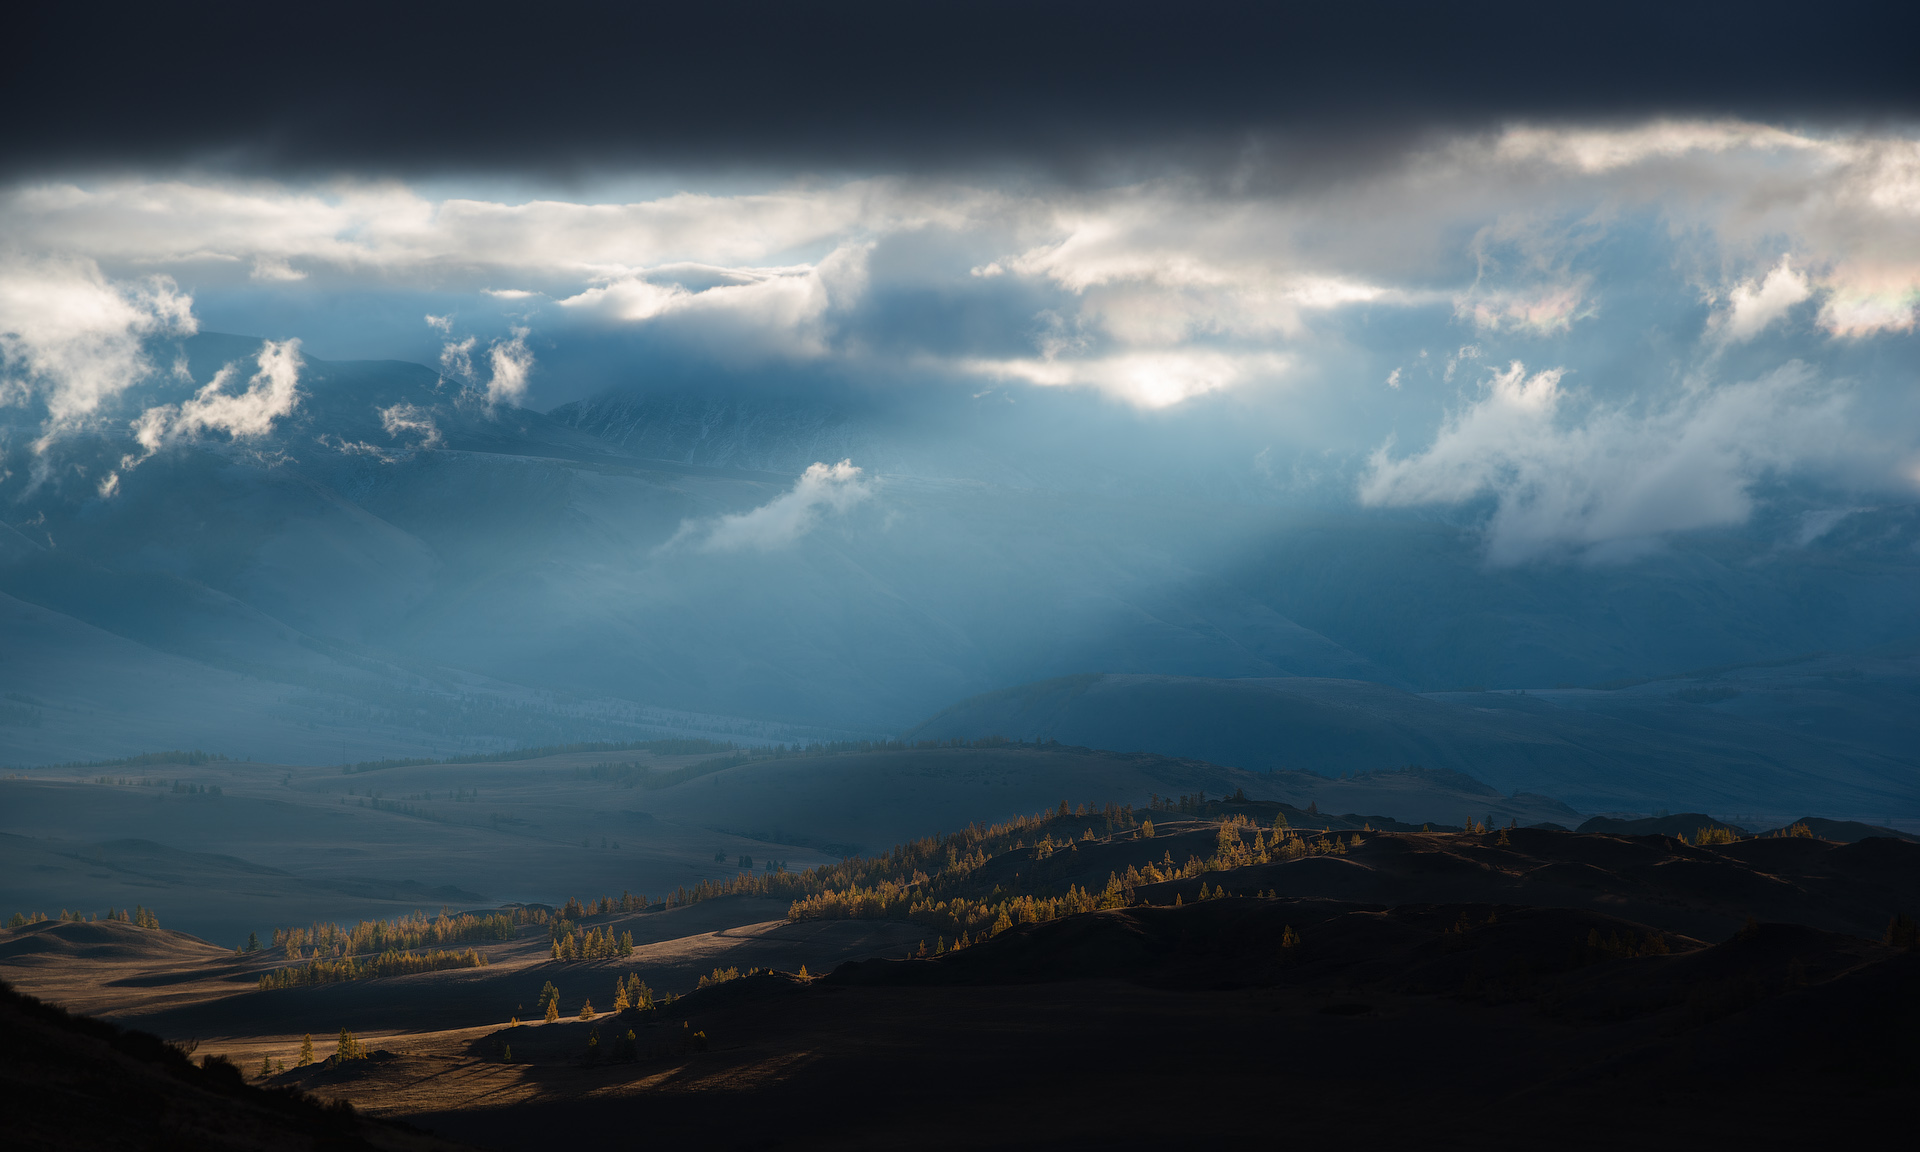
[721, 976]
[568, 943]
[390, 963]
[145, 758]
[949, 900]
[631, 992]
[456, 796]
[1709, 835]
[139, 917]
[407, 932]
[573, 909]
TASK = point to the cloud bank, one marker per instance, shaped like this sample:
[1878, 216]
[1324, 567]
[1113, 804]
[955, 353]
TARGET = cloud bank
[1602, 481]
[1731, 297]
[73, 340]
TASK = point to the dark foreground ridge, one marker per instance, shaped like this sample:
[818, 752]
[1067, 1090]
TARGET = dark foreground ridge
[1194, 972]
[1563, 1005]
[72, 1082]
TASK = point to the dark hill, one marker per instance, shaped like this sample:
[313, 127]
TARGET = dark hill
[71, 1082]
[1848, 831]
[1439, 1026]
[1686, 824]
[1649, 746]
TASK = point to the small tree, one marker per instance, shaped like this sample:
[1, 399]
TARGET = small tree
[586, 1010]
[349, 1046]
[306, 1050]
[253, 941]
[553, 1011]
[620, 1001]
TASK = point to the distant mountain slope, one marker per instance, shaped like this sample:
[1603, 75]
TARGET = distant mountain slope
[863, 802]
[1652, 749]
[404, 567]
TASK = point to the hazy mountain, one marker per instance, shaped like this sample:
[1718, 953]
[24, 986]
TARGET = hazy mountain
[1835, 735]
[401, 567]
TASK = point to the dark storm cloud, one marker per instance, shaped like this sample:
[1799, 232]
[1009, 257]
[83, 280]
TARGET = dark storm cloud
[1063, 85]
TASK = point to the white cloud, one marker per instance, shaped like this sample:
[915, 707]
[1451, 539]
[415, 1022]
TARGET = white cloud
[76, 339]
[821, 490]
[273, 268]
[511, 360]
[273, 391]
[401, 418]
[1862, 310]
[456, 357]
[1601, 150]
[1752, 306]
[1605, 480]
[1541, 311]
[395, 231]
[740, 311]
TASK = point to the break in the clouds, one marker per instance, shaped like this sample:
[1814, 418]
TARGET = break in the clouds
[1698, 304]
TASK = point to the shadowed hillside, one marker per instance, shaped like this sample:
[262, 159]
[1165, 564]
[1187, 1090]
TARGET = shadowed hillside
[71, 1082]
[1769, 741]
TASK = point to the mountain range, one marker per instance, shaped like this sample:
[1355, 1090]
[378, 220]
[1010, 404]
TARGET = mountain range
[401, 568]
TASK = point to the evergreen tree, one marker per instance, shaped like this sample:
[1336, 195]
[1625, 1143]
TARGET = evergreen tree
[620, 1001]
[586, 1010]
[253, 941]
[348, 1048]
[306, 1050]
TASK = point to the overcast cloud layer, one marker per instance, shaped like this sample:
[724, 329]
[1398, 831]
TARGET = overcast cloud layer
[1070, 87]
[1608, 332]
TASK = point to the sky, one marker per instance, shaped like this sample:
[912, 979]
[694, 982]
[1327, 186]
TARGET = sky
[1606, 278]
